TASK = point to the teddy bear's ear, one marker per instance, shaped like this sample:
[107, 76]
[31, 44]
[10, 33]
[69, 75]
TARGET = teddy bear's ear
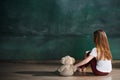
[63, 60]
[73, 60]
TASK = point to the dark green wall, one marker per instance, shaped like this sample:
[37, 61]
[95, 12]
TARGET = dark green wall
[51, 29]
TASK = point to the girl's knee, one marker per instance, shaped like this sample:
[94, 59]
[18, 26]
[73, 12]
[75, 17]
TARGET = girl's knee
[87, 53]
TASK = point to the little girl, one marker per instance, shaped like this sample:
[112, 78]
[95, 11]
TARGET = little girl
[100, 57]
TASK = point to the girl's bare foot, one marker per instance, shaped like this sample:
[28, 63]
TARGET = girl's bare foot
[83, 69]
[79, 69]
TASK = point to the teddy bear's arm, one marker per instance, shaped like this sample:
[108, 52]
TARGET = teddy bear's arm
[61, 68]
[74, 68]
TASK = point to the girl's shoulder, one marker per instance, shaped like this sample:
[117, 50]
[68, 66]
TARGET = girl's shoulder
[93, 52]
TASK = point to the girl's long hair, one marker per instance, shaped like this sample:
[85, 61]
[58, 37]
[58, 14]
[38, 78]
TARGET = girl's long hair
[102, 45]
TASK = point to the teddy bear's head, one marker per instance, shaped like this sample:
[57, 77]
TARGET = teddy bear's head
[67, 60]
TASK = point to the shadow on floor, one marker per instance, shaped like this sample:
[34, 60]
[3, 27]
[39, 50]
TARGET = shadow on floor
[39, 73]
[50, 73]
[116, 65]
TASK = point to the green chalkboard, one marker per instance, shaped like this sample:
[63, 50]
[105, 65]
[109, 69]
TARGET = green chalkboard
[51, 29]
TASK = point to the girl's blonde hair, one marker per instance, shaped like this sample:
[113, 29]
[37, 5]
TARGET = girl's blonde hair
[102, 45]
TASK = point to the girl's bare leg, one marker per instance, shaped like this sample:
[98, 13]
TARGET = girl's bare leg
[83, 68]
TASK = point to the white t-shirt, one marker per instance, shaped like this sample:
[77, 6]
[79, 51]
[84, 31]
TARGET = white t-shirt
[102, 65]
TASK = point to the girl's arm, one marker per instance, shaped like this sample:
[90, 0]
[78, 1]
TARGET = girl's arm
[86, 60]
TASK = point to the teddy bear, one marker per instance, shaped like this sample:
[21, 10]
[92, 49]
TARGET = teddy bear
[67, 69]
